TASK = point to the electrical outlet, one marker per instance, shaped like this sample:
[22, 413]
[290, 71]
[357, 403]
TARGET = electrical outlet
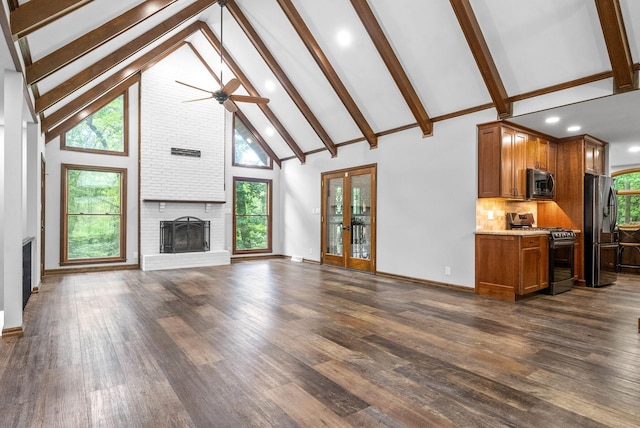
[310, 250]
[447, 270]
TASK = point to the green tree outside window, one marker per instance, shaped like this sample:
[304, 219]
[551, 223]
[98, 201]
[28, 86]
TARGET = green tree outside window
[252, 215]
[104, 130]
[246, 150]
[94, 213]
[627, 186]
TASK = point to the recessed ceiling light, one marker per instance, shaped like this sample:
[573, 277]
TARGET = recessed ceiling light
[270, 85]
[634, 149]
[552, 119]
[574, 128]
[269, 131]
[344, 38]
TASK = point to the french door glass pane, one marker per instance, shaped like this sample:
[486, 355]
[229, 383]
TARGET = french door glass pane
[335, 209]
[361, 216]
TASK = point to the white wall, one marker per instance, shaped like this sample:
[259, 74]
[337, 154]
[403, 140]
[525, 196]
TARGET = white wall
[427, 191]
[620, 158]
[55, 157]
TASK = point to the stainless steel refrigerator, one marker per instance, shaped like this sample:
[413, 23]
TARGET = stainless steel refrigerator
[600, 235]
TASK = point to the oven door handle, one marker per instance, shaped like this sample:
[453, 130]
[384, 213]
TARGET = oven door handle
[559, 244]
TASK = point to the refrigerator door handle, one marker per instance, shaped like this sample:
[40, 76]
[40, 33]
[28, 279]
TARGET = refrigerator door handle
[613, 204]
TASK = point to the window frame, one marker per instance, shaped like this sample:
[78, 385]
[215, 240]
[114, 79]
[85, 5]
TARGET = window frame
[630, 192]
[258, 139]
[269, 216]
[94, 109]
[64, 215]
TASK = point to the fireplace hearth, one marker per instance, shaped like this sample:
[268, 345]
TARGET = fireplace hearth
[184, 235]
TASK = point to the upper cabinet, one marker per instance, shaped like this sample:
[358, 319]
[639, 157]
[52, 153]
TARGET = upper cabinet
[541, 153]
[501, 162]
[513, 174]
[594, 156]
[504, 154]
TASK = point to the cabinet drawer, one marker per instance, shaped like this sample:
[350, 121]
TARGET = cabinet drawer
[533, 241]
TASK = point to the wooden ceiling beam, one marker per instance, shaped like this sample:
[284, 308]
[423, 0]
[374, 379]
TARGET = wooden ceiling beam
[5, 29]
[261, 141]
[327, 69]
[246, 83]
[126, 72]
[93, 39]
[392, 62]
[107, 63]
[282, 77]
[37, 13]
[625, 78]
[482, 55]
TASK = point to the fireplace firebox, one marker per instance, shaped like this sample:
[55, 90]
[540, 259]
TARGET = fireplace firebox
[184, 235]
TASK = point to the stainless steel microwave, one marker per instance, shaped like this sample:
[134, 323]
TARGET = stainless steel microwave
[540, 184]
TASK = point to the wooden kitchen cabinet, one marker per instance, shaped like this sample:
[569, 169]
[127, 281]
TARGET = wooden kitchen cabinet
[577, 156]
[541, 153]
[513, 173]
[511, 266]
[594, 157]
[501, 162]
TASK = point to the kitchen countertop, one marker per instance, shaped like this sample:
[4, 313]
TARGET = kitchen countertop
[515, 232]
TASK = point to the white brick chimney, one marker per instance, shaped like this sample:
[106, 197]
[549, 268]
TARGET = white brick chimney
[173, 186]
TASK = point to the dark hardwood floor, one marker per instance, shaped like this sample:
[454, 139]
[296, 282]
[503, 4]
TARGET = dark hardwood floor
[276, 343]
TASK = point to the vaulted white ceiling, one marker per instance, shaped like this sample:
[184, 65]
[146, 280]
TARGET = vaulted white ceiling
[521, 57]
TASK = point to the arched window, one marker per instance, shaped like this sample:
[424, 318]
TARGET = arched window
[627, 185]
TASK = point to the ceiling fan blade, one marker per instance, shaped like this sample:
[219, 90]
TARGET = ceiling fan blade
[191, 86]
[230, 105]
[231, 86]
[249, 99]
[199, 99]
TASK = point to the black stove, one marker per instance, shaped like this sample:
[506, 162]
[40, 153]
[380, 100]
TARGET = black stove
[556, 233]
[525, 221]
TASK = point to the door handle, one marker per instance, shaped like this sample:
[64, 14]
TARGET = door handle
[346, 227]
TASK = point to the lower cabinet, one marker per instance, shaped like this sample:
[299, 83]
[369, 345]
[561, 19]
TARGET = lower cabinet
[511, 266]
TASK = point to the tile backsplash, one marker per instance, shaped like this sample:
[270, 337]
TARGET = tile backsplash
[491, 212]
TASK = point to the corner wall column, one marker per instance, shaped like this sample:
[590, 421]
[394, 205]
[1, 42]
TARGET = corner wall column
[11, 203]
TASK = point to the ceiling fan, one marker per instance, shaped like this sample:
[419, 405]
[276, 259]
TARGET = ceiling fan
[224, 95]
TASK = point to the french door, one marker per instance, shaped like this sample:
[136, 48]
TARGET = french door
[349, 218]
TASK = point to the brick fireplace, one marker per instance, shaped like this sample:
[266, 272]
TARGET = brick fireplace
[181, 165]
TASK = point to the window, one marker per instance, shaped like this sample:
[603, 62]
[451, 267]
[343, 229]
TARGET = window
[252, 215]
[104, 131]
[627, 185]
[93, 214]
[246, 149]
